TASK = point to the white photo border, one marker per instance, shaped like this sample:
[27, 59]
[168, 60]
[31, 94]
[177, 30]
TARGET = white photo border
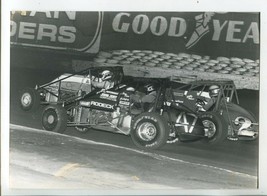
[136, 5]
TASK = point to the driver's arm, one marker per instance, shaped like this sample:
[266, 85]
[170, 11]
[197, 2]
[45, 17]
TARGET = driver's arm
[97, 83]
[149, 98]
[210, 103]
[136, 97]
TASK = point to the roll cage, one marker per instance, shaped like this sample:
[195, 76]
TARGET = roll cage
[227, 92]
[87, 73]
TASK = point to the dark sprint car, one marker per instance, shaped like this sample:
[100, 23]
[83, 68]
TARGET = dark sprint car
[176, 113]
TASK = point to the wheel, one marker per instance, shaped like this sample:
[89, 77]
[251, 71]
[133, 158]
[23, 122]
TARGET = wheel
[54, 118]
[215, 127]
[149, 131]
[29, 99]
[82, 129]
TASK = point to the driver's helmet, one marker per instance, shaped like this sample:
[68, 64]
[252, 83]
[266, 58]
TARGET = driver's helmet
[214, 90]
[149, 88]
[106, 75]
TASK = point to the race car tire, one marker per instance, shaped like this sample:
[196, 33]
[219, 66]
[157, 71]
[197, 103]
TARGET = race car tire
[149, 131]
[217, 128]
[29, 99]
[54, 118]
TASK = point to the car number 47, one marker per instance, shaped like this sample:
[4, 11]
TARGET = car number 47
[182, 121]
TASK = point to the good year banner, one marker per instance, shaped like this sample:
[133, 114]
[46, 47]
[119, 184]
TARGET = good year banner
[205, 33]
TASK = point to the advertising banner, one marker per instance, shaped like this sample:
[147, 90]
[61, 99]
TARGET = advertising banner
[60, 31]
[204, 33]
[230, 34]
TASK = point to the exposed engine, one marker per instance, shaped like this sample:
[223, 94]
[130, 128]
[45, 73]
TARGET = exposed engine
[86, 115]
[116, 120]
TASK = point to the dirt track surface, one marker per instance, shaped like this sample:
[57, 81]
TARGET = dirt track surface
[40, 159]
[71, 164]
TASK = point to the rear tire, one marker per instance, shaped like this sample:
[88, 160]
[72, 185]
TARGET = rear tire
[54, 118]
[216, 127]
[149, 131]
[29, 99]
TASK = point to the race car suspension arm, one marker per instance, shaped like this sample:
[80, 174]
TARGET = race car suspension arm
[73, 124]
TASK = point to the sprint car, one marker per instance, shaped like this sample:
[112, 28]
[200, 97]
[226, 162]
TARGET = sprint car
[71, 101]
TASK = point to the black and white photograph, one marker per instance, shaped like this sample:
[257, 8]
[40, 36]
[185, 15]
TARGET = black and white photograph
[164, 101]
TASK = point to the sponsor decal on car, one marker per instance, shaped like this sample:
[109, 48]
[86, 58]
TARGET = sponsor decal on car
[179, 94]
[190, 97]
[85, 103]
[108, 96]
[102, 105]
[127, 103]
[112, 92]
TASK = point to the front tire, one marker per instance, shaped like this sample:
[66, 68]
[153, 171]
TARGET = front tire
[149, 131]
[216, 128]
[29, 99]
[54, 118]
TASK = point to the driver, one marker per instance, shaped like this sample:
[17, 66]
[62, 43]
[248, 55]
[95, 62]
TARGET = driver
[148, 97]
[104, 81]
[214, 91]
